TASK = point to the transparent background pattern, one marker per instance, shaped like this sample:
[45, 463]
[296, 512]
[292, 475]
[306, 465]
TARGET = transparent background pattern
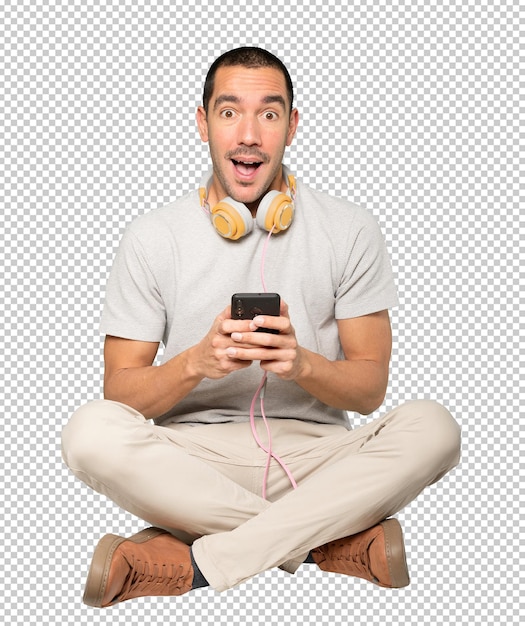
[411, 109]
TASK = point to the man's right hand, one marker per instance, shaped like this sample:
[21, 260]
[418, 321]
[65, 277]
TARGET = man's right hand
[209, 358]
[131, 378]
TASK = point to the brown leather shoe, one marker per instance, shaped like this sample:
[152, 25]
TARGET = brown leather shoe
[376, 554]
[150, 563]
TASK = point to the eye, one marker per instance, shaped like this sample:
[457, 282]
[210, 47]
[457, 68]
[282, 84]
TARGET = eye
[270, 116]
[227, 114]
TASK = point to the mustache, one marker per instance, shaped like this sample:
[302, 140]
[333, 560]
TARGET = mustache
[248, 152]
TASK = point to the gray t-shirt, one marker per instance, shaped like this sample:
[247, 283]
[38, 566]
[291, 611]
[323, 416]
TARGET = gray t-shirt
[173, 274]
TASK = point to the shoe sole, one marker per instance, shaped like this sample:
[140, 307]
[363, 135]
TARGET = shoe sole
[395, 553]
[100, 564]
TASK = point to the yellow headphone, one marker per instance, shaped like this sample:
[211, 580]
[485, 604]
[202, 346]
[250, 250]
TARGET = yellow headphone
[233, 220]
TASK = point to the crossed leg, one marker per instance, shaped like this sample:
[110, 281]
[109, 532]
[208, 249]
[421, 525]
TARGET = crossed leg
[202, 484]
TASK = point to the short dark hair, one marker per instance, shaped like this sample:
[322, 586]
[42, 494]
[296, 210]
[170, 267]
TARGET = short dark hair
[246, 57]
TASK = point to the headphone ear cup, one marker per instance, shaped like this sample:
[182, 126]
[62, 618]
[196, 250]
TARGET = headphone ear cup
[275, 211]
[231, 219]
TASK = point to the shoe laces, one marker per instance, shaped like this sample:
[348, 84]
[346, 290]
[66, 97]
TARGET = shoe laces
[355, 552]
[146, 578]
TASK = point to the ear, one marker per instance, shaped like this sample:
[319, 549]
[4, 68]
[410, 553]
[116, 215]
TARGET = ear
[202, 124]
[292, 128]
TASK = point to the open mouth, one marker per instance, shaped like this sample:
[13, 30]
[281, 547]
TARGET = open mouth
[246, 168]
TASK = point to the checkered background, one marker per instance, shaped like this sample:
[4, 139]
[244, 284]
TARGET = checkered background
[410, 109]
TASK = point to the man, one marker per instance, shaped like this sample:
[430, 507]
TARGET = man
[171, 443]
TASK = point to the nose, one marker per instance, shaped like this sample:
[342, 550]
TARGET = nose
[249, 133]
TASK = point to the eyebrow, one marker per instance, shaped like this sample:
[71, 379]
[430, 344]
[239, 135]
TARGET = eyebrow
[270, 99]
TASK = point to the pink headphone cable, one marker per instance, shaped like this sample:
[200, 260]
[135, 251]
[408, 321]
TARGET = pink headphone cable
[263, 260]
[260, 394]
[268, 449]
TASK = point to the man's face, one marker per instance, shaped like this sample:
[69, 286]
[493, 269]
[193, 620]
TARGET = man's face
[248, 127]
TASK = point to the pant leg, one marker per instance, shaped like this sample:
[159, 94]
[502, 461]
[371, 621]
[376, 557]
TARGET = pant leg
[151, 471]
[191, 481]
[383, 466]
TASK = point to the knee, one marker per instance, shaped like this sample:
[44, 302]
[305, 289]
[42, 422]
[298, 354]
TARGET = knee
[86, 438]
[79, 436]
[440, 435]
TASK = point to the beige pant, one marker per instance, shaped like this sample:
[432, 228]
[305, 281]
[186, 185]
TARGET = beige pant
[203, 483]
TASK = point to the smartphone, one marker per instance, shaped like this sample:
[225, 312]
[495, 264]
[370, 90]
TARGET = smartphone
[246, 306]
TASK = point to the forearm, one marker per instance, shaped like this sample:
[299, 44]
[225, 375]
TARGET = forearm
[153, 390]
[131, 378]
[358, 385]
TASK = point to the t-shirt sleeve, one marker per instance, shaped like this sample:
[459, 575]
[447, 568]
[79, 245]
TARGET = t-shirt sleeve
[133, 307]
[367, 284]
